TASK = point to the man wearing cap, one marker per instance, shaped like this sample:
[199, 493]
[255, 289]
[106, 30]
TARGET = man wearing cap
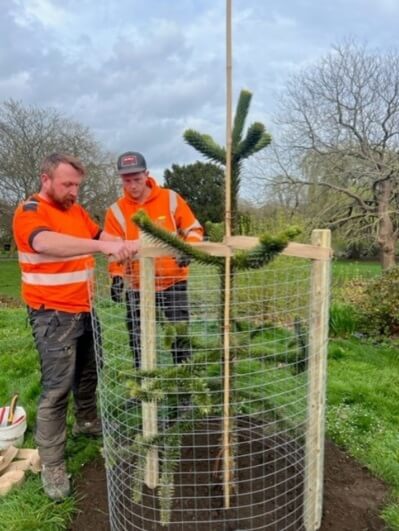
[166, 208]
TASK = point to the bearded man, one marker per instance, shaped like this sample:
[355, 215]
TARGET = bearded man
[56, 239]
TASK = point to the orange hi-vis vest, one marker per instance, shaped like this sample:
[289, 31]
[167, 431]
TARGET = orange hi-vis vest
[169, 210]
[54, 282]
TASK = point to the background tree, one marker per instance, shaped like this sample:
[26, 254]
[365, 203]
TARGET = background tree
[340, 121]
[27, 135]
[202, 186]
[255, 140]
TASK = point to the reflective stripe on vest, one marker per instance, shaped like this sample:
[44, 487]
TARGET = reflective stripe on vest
[173, 207]
[117, 212]
[58, 279]
[37, 258]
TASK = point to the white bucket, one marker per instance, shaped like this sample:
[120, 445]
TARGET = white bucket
[13, 434]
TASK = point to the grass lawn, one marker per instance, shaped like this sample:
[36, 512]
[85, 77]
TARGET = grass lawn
[28, 508]
[9, 278]
[362, 414]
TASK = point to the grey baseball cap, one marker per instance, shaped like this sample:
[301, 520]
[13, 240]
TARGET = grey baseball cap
[131, 162]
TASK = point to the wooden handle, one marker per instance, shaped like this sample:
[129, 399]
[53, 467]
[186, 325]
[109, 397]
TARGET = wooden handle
[11, 411]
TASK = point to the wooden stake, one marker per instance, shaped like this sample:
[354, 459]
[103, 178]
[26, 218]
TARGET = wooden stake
[317, 370]
[148, 359]
[227, 464]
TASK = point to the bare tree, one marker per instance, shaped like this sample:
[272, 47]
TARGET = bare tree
[340, 122]
[27, 135]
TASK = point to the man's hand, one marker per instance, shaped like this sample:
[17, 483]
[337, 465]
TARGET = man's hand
[117, 289]
[120, 250]
[183, 260]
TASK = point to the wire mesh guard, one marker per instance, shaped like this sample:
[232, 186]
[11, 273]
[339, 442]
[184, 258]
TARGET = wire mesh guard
[162, 401]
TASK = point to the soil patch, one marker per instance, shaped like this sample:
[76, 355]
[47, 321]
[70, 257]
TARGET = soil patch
[352, 498]
[6, 301]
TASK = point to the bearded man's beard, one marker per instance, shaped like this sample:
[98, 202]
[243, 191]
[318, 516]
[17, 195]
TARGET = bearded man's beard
[63, 204]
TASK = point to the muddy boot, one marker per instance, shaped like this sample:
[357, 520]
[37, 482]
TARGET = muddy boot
[55, 481]
[88, 427]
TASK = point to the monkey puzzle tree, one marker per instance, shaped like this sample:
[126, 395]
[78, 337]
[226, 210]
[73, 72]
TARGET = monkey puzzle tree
[199, 378]
[255, 139]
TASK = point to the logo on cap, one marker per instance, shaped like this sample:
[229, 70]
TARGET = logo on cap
[129, 160]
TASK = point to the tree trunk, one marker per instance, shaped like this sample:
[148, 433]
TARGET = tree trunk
[386, 234]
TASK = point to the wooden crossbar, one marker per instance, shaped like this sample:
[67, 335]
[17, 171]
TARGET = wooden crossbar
[244, 243]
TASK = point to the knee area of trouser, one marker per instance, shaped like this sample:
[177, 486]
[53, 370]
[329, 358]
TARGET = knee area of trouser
[53, 401]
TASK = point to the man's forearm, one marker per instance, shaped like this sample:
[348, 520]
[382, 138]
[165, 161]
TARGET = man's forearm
[64, 245]
[107, 237]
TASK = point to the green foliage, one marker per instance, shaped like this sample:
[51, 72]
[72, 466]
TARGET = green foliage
[362, 409]
[205, 145]
[202, 186]
[344, 320]
[197, 384]
[28, 508]
[244, 223]
[391, 516]
[362, 413]
[355, 249]
[169, 463]
[10, 280]
[377, 302]
[214, 231]
[144, 223]
[242, 109]
[269, 246]
[271, 218]
[255, 141]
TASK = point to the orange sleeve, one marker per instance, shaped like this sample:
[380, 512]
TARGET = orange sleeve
[94, 229]
[112, 226]
[27, 223]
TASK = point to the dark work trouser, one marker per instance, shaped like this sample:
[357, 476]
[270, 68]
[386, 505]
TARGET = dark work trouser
[67, 359]
[173, 302]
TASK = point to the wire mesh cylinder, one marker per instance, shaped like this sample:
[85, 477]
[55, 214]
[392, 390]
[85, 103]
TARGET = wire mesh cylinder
[170, 475]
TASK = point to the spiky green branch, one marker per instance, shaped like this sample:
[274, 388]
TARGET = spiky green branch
[254, 141]
[142, 220]
[269, 246]
[205, 145]
[267, 249]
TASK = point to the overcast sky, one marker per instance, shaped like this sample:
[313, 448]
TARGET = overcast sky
[138, 73]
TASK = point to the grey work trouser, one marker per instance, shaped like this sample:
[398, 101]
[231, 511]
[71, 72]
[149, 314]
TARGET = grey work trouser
[173, 302]
[67, 359]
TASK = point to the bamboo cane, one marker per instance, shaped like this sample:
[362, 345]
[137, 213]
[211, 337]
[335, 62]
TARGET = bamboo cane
[227, 468]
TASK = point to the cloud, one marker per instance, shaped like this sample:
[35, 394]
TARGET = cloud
[139, 73]
[42, 11]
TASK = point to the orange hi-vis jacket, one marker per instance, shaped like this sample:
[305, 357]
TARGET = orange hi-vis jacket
[166, 208]
[54, 282]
